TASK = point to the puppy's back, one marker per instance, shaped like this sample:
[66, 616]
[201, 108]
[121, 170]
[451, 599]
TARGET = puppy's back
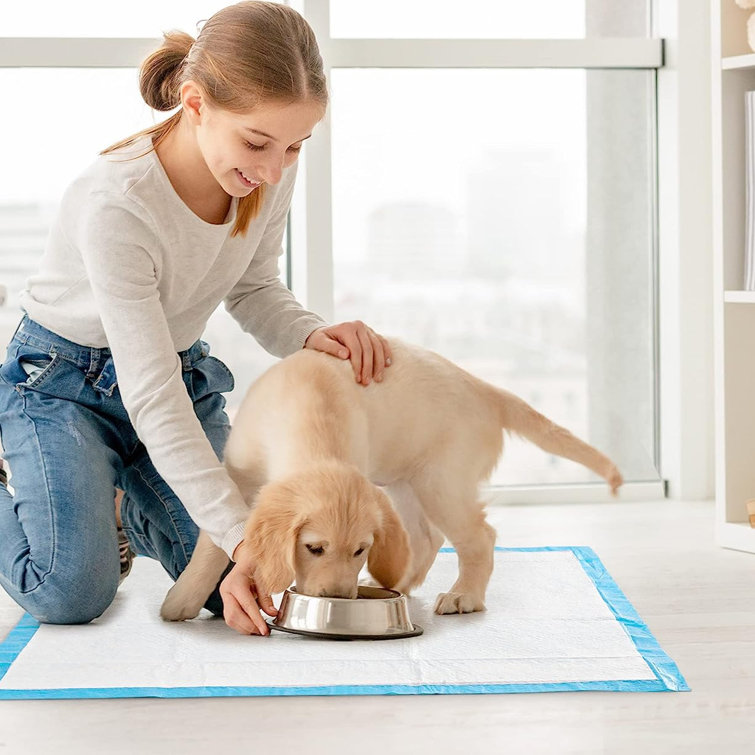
[296, 412]
[309, 406]
[428, 407]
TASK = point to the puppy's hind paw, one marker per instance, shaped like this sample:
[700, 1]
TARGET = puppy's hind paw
[458, 602]
[176, 607]
[614, 479]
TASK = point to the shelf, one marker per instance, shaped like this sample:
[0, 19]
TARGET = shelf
[739, 297]
[734, 321]
[738, 536]
[738, 62]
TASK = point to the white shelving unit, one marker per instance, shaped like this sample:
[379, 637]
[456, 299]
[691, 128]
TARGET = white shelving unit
[733, 74]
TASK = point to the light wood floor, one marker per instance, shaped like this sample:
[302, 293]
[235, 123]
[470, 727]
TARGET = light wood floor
[697, 599]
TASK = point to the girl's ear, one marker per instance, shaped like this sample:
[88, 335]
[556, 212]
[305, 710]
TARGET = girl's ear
[270, 537]
[389, 555]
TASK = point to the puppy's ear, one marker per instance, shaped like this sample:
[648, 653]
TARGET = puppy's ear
[270, 537]
[389, 555]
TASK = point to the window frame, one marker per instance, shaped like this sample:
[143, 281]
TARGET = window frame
[310, 237]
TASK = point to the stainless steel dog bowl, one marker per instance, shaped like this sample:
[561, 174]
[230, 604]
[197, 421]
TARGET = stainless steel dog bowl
[375, 614]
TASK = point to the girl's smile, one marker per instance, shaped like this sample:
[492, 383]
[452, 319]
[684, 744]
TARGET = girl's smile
[248, 182]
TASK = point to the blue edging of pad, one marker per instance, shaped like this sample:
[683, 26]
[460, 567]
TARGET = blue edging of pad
[647, 646]
[15, 642]
[666, 671]
[668, 677]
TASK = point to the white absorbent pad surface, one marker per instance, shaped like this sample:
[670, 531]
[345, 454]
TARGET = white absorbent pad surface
[555, 621]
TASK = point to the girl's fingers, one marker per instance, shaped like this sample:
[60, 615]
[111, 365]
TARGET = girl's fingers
[265, 602]
[322, 340]
[378, 359]
[367, 355]
[355, 353]
[236, 617]
[387, 353]
[240, 609]
[334, 347]
[368, 352]
[252, 610]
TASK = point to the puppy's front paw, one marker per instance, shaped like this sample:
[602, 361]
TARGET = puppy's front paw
[178, 607]
[458, 602]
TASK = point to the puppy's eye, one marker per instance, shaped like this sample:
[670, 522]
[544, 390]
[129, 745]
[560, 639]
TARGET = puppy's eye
[316, 550]
[359, 552]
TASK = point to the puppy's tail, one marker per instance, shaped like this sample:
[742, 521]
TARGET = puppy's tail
[519, 417]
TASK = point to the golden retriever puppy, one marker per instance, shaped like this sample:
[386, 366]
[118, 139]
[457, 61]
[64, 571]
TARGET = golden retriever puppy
[310, 450]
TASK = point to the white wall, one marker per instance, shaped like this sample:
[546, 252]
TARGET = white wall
[686, 249]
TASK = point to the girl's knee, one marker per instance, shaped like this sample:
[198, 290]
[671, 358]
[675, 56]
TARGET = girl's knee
[70, 601]
[69, 614]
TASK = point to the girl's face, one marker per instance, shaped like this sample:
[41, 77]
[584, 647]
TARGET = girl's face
[245, 150]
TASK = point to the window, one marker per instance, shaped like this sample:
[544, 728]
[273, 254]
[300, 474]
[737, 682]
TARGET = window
[487, 190]
[495, 201]
[68, 116]
[479, 220]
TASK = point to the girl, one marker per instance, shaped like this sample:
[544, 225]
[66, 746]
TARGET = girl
[106, 384]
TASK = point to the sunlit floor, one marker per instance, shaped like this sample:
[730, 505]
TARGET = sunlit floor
[697, 599]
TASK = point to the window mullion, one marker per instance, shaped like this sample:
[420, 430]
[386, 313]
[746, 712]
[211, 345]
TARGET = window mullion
[83, 52]
[598, 52]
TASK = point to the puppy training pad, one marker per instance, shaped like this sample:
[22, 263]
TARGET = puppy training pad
[555, 621]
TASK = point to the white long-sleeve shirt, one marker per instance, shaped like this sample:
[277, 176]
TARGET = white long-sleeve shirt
[129, 266]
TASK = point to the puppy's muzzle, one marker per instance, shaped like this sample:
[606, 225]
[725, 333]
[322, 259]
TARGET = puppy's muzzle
[339, 592]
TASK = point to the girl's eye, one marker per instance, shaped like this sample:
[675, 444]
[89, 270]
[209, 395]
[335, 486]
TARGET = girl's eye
[258, 148]
[315, 550]
[359, 552]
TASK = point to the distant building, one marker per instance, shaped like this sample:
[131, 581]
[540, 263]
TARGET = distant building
[515, 216]
[414, 240]
[23, 233]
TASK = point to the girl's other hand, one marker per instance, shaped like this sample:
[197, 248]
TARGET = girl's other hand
[242, 601]
[369, 352]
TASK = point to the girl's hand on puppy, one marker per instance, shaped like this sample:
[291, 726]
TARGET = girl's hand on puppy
[242, 601]
[369, 352]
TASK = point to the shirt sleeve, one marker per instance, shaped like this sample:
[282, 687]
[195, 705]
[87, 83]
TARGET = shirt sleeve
[260, 302]
[121, 257]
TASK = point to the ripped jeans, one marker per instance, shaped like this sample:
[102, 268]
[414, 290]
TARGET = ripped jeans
[69, 443]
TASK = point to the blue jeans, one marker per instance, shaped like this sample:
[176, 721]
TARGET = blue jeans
[69, 443]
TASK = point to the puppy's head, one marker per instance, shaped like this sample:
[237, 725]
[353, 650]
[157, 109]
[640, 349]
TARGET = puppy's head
[319, 527]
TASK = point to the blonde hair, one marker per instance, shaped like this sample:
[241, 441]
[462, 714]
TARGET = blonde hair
[246, 54]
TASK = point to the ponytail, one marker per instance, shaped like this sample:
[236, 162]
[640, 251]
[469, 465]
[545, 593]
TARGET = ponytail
[159, 75]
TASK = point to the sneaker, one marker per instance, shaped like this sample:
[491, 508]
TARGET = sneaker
[125, 554]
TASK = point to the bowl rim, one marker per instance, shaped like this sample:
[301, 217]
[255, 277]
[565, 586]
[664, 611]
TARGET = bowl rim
[416, 631]
[395, 595]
